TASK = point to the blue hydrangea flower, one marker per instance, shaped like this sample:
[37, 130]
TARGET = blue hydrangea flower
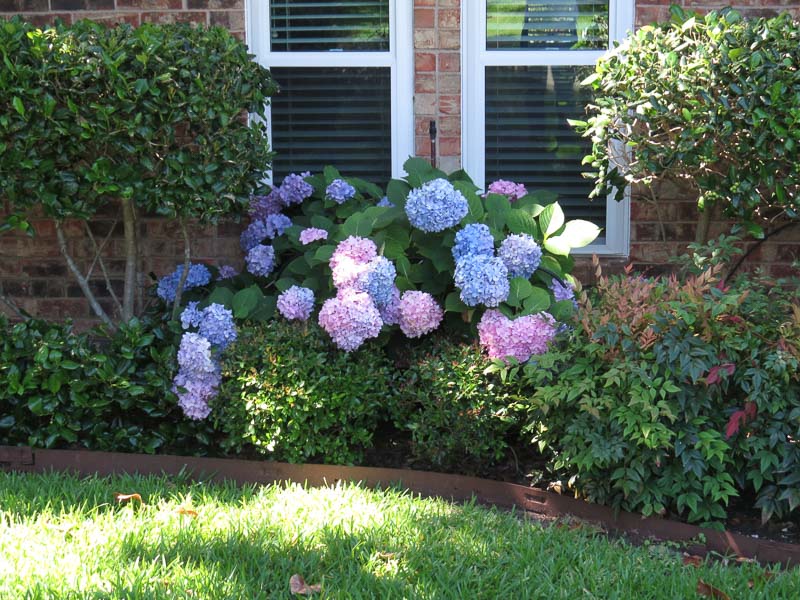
[277, 225]
[194, 354]
[261, 260]
[339, 191]
[474, 238]
[217, 326]
[226, 272]
[378, 280]
[296, 303]
[385, 202]
[199, 275]
[263, 206]
[253, 235]
[191, 316]
[294, 189]
[436, 206]
[482, 280]
[521, 255]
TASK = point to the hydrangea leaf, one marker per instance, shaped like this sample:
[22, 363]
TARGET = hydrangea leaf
[220, 295]
[265, 309]
[562, 310]
[519, 221]
[330, 172]
[246, 300]
[453, 303]
[323, 254]
[397, 192]
[284, 284]
[538, 301]
[519, 289]
[497, 208]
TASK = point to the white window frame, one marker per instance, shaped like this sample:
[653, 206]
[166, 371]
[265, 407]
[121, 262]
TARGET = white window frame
[475, 59]
[399, 58]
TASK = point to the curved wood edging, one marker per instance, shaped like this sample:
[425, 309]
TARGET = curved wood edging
[426, 483]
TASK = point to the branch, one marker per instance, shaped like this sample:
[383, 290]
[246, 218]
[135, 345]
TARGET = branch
[98, 258]
[82, 282]
[11, 304]
[131, 259]
[187, 257]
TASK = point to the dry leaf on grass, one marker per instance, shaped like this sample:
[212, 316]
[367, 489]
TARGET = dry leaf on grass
[182, 510]
[692, 560]
[761, 578]
[709, 591]
[298, 585]
[120, 498]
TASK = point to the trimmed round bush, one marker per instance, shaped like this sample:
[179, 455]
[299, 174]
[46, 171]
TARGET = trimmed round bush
[290, 394]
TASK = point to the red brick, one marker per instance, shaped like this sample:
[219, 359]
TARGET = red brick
[450, 104]
[449, 19]
[424, 18]
[424, 38]
[450, 83]
[193, 4]
[449, 39]
[449, 146]
[150, 4]
[174, 17]
[232, 20]
[425, 83]
[424, 61]
[24, 5]
[423, 146]
[449, 61]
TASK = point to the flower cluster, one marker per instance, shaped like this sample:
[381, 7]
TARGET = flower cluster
[339, 191]
[312, 234]
[520, 338]
[521, 255]
[253, 235]
[296, 303]
[217, 326]
[260, 260]
[482, 280]
[263, 206]
[474, 238]
[418, 314]
[436, 206]
[198, 276]
[514, 191]
[294, 189]
[350, 318]
[277, 224]
[226, 272]
[385, 203]
[563, 291]
[390, 312]
[377, 280]
[198, 377]
[350, 260]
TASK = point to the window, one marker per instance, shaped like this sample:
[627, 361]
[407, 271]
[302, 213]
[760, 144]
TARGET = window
[345, 71]
[523, 62]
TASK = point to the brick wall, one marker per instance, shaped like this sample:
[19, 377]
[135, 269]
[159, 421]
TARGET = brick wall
[32, 271]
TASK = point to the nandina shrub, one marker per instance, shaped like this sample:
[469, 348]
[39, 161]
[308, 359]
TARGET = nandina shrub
[458, 416]
[674, 396]
[288, 393]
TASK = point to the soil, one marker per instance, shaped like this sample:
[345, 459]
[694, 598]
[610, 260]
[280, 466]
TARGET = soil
[524, 466]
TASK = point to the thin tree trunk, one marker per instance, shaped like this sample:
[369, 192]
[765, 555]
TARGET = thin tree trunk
[11, 304]
[131, 260]
[187, 258]
[82, 282]
[703, 224]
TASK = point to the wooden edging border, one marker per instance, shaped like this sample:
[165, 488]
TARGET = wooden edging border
[455, 487]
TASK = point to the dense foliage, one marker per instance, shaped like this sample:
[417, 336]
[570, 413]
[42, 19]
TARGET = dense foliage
[714, 100]
[291, 395]
[675, 396]
[64, 389]
[151, 117]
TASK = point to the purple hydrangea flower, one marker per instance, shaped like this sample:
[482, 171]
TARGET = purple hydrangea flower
[390, 312]
[263, 206]
[562, 291]
[339, 191]
[521, 338]
[199, 275]
[226, 272]
[521, 255]
[419, 313]
[436, 206]
[191, 316]
[385, 202]
[350, 260]
[261, 260]
[474, 238]
[217, 326]
[514, 191]
[194, 354]
[350, 318]
[482, 280]
[277, 225]
[194, 391]
[253, 235]
[377, 280]
[294, 189]
[312, 234]
[296, 303]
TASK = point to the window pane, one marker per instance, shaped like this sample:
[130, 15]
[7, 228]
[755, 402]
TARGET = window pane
[554, 25]
[307, 25]
[333, 116]
[528, 139]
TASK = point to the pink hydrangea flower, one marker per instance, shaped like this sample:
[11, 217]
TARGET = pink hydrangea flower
[514, 191]
[350, 259]
[519, 338]
[312, 234]
[350, 318]
[419, 313]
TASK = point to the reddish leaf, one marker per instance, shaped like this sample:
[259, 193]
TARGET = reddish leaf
[734, 422]
[714, 372]
[692, 560]
[126, 497]
[709, 591]
[750, 410]
[298, 585]
[182, 510]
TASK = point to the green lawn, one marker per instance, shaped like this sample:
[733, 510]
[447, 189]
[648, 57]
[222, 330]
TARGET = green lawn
[62, 537]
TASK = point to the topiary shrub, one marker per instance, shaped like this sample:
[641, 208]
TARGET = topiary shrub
[458, 416]
[289, 394]
[713, 100]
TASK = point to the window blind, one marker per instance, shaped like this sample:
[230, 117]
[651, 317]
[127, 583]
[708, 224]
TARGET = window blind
[557, 24]
[308, 25]
[528, 139]
[339, 116]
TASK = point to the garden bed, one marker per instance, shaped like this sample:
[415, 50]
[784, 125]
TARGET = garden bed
[534, 501]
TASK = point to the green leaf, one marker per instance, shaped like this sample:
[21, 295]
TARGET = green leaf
[323, 254]
[579, 233]
[454, 304]
[18, 106]
[397, 192]
[537, 301]
[519, 221]
[265, 309]
[221, 295]
[284, 284]
[246, 300]
[497, 208]
[562, 310]
[417, 166]
[551, 219]
[330, 174]
[557, 245]
[519, 289]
